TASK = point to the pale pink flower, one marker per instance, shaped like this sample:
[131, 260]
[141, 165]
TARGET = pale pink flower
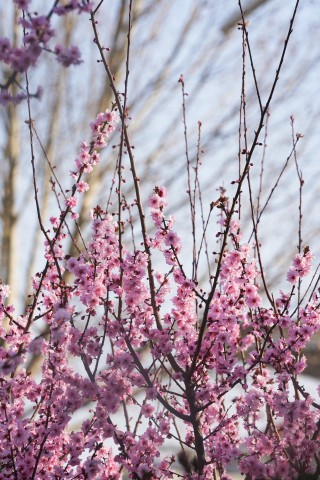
[71, 202]
[82, 186]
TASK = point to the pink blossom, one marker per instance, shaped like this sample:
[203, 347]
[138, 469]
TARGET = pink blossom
[154, 201]
[82, 187]
[108, 116]
[68, 56]
[71, 202]
[172, 239]
[292, 276]
[253, 301]
[54, 221]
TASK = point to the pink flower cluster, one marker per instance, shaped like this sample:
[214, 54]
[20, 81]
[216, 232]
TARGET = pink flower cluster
[88, 158]
[37, 33]
[154, 359]
[301, 266]
[112, 291]
[102, 127]
[68, 56]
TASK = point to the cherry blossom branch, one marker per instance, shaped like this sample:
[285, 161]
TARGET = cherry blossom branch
[135, 181]
[238, 191]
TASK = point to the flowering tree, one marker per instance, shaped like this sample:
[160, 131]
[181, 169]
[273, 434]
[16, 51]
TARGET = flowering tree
[153, 355]
[61, 107]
